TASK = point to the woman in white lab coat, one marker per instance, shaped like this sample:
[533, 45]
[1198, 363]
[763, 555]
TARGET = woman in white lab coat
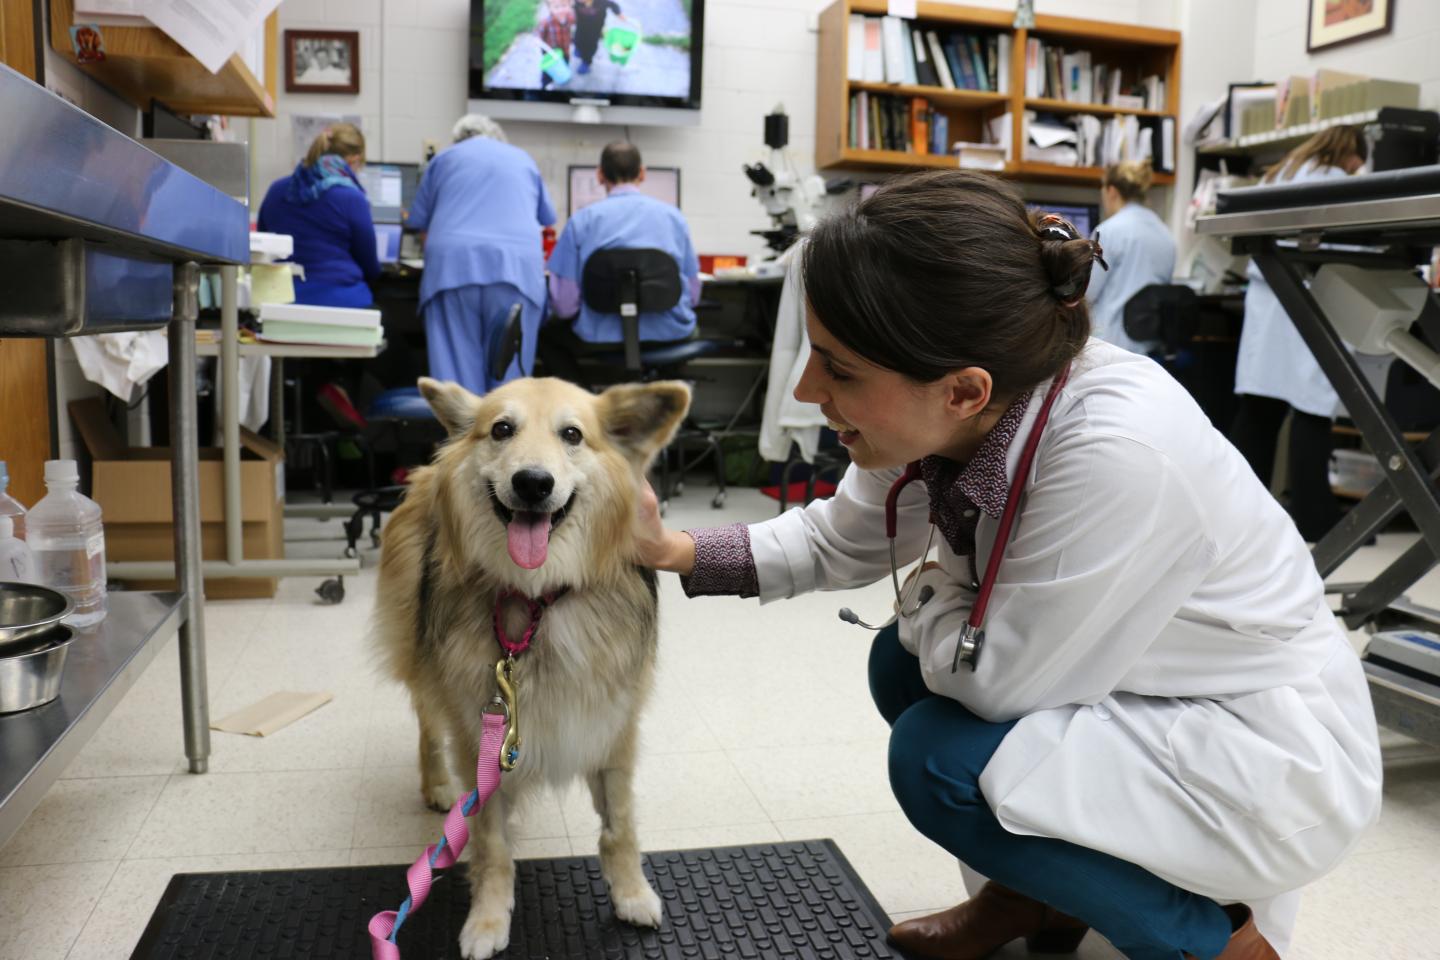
[1164, 717]
[1138, 248]
[1276, 375]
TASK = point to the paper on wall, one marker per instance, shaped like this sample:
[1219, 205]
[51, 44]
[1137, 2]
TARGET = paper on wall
[209, 32]
[304, 128]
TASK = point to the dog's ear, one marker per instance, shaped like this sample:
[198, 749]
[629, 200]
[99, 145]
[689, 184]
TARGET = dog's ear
[641, 419]
[454, 406]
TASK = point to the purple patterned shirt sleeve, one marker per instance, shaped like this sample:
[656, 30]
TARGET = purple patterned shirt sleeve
[724, 565]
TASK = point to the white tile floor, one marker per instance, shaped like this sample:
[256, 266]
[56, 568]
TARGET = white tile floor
[736, 751]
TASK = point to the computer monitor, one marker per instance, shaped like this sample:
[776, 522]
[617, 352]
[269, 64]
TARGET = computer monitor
[391, 189]
[387, 241]
[1085, 216]
[662, 183]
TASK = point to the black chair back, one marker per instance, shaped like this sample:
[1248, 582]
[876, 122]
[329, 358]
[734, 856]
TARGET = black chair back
[629, 283]
[510, 345]
[1163, 312]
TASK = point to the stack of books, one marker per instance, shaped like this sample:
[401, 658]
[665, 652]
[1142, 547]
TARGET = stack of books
[1055, 73]
[886, 122]
[893, 50]
[320, 326]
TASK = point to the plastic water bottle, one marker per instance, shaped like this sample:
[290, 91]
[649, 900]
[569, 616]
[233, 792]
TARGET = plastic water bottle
[9, 506]
[17, 562]
[65, 533]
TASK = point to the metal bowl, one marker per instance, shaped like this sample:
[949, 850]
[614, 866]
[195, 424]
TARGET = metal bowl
[28, 610]
[30, 671]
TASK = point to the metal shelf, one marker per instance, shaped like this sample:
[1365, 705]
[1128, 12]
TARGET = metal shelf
[103, 663]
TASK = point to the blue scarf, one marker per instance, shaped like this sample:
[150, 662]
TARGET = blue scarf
[309, 182]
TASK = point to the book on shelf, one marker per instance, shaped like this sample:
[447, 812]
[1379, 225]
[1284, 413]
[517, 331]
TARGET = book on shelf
[894, 50]
[1085, 140]
[1074, 76]
[891, 122]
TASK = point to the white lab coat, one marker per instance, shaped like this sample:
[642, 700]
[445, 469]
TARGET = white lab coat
[1187, 701]
[1274, 361]
[1140, 251]
[786, 421]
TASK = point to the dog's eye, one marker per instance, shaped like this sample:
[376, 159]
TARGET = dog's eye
[572, 435]
[502, 430]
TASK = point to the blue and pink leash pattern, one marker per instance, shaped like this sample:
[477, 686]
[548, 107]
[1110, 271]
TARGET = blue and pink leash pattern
[385, 926]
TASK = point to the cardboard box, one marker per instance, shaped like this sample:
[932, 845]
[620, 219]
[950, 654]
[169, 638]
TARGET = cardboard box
[132, 486]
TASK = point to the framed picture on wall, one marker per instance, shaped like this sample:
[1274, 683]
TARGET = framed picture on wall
[322, 61]
[1333, 22]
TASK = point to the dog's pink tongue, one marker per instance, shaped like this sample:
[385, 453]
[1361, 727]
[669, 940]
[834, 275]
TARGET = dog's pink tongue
[529, 539]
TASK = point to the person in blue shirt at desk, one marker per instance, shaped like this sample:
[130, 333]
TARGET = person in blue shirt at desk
[1138, 248]
[625, 219]
[323, 207]
[481, 205]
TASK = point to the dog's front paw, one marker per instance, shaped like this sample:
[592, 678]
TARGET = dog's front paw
[637, 903]
[484, 936]
[441, 796]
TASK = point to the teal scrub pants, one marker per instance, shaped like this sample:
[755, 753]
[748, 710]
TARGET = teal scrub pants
[938, 750]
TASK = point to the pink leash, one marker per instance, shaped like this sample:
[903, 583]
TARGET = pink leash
[385, 926]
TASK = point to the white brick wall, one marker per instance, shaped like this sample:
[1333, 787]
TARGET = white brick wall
[757, 53]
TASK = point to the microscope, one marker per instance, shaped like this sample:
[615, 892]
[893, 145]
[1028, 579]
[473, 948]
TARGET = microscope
[794, 203]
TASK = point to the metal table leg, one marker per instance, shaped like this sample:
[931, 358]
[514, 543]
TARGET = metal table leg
[277, 401]
[185, 490]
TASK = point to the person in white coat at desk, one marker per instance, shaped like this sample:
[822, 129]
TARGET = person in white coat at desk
[1138, 248]
[481, 204]
[1133, 709]
[1276, 375]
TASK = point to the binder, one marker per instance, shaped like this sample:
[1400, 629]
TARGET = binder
[874, 51]
[855, 49]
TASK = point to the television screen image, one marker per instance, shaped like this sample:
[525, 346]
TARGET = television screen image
[662, 183]
[638, 52]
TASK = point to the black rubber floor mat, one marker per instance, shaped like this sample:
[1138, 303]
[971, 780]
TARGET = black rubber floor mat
[796, 901]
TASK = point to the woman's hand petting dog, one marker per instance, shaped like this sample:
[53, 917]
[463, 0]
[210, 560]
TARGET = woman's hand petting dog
[655, 545]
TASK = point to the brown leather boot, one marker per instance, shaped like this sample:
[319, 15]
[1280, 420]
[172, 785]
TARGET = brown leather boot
[1246, 942]
[985, 923]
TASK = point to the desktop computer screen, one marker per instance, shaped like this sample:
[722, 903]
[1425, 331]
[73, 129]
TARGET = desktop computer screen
[387, 241]
[662, 183]
[391, 189]
[1085, 216]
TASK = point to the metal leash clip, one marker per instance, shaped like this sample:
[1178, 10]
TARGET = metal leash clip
[509, 697]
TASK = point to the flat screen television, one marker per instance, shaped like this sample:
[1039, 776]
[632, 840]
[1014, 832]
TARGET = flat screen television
[613, 53]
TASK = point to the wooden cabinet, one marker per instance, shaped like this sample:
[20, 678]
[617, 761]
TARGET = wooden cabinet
[1136, 51]
[143, 63]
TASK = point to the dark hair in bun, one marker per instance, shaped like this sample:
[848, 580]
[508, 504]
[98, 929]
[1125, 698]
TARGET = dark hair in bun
[947, 269]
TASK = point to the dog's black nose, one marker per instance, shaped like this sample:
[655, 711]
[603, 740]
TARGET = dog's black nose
[532, 486]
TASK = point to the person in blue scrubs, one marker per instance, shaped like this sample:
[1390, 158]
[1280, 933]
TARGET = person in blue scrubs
[1138, 248]
[323, 207]
[481, 205]
[625, 219]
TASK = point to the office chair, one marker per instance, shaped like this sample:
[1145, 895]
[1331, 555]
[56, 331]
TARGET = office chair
[631, 283]
[1165, 313]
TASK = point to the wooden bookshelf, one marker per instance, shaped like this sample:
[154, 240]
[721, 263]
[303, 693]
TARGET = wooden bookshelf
[1137, 51]
[143, 64]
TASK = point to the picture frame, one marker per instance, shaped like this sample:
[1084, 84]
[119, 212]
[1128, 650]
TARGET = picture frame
[322, 61]
[1331, 23]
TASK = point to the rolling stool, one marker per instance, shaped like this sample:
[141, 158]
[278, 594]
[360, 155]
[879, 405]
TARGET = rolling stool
[405, 412]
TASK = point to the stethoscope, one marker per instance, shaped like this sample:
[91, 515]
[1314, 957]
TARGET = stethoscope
[972, 636]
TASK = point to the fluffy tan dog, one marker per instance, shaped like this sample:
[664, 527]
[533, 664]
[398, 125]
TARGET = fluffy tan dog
[534, 492]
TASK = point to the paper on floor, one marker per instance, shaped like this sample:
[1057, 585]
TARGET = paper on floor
[275, 712]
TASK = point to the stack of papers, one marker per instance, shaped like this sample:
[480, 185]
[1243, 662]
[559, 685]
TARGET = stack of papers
[322, 326]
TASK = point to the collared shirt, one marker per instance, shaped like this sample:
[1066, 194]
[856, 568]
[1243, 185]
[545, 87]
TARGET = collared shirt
[1140, 252]
[724, 564]
[482, 203]
[626, 219]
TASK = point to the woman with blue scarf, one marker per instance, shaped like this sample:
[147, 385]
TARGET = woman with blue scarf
[324, 208]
